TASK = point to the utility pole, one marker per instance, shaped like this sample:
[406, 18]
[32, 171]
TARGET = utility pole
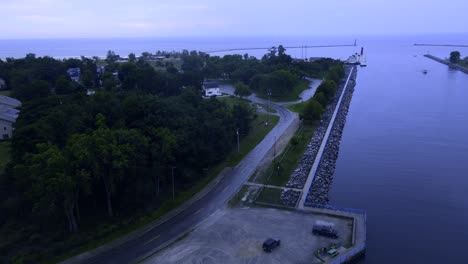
[274, 149]
[238, 147]
[268, 106]
[173, 189]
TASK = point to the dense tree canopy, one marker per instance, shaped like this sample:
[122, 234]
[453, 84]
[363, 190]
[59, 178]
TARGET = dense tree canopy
[78, 158]
[455, 56]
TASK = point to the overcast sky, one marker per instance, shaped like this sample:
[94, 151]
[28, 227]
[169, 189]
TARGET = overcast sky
[171, 18]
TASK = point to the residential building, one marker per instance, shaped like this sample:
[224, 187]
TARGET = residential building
[74, 74]
[8, 115]
[211, 88]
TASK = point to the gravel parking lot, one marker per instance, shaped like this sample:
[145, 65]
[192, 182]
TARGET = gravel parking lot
[236, 236]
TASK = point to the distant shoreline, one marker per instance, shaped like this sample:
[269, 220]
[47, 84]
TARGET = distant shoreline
[442, 45]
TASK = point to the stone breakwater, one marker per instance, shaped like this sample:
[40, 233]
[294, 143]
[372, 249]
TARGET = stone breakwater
[289, 197]
[320, 187]
[448, 63]
[300, 174]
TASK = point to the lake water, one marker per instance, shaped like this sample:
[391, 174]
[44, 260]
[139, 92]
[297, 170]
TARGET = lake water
[404, 151]
[404, 156]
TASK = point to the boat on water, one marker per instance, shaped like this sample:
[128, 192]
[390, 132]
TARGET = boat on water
[425, 71]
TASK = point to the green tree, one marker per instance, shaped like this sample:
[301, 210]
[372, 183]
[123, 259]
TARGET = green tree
[132, 57]
[109, 81]
[53, 186]
[111, 157]
[320, 97]
[242, 90]
[242, 115]
[162, 149]
[87, 78]
[328, 88]
[111, 57]
[455, 56]
[128, 75]
[63, 85]
[333, 76]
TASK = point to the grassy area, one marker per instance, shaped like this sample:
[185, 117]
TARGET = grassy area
[6, 93]
[4, 154]
[268, 109]
[298, 108]
[116, 230]
[290, 158]
[232, 100]
[292, 96]
[270, 195]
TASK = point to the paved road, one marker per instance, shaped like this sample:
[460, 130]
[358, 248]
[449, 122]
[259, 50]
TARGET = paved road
[156, 238]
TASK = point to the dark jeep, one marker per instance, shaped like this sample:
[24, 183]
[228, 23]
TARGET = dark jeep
[270, 244]
[324, 231]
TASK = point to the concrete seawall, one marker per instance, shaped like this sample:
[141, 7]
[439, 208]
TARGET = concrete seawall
[318, 190]
[451, 65]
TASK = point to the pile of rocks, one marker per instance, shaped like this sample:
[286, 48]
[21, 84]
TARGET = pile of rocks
[289, 197]
[322, 183]
[320, 187]
[300, 174]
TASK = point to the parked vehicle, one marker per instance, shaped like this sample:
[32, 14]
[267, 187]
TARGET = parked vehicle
[323, 230]
[332, 252]
[270, 244]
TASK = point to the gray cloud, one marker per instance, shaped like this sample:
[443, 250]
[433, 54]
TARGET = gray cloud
[145, 18]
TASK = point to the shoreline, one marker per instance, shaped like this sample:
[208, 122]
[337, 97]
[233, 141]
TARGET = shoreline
[299, 177]
[320, 187]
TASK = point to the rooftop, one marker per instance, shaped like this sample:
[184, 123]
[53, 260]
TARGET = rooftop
[210, 84]
[8, 101]
[9, 114]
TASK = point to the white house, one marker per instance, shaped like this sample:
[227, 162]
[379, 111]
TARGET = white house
[211, 89]
[75, 74]
[8, 115]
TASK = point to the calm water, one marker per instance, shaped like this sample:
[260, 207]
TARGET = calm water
[404, 152]
[404, 157]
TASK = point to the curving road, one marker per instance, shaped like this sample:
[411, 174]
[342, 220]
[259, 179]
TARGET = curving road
[154, 239]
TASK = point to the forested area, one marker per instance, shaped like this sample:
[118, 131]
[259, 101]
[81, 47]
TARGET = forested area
[276, 72]
[80, 160]
[315, 107]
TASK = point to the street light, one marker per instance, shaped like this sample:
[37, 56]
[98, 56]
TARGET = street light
[238, 147]
[274, 149]
[268, 106]
[173, 189]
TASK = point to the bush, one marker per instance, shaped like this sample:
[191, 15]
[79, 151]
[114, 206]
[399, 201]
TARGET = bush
[313, 110]
[320, 97]
[294, 141]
